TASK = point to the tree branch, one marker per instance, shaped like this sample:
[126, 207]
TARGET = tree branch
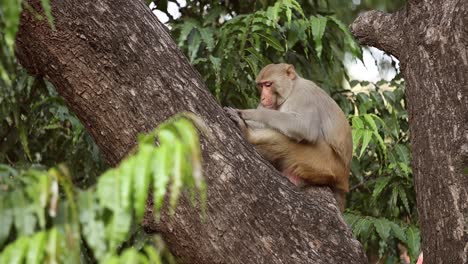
[380, 30]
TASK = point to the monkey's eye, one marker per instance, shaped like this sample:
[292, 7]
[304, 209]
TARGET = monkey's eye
[266, 84]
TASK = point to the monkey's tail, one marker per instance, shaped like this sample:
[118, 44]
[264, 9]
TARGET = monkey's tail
[340, 197]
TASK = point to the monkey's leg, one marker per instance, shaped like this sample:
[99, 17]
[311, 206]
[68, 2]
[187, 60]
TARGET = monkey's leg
[272, 145]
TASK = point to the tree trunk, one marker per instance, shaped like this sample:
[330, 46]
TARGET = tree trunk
[430, 38]
[122, 74]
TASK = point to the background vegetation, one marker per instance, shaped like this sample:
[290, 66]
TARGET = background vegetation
[228, 42]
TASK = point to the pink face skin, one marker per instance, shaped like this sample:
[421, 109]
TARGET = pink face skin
[268, 96]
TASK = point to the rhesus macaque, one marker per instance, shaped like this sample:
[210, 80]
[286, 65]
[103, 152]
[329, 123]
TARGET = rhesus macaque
[300, 129]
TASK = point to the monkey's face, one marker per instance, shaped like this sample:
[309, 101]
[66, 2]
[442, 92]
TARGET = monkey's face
[268, 95]
[275, 82]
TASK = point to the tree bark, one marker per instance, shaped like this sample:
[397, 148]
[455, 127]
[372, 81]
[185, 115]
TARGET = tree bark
[430, 38]
[122, 74]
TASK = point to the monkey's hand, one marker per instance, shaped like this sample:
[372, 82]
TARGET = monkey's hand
[233, 114]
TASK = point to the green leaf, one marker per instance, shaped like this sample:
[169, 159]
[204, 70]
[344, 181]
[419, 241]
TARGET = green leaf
[262, 59]
[403, 153]
[207, 37]
[413, 242]
[24, 220]
[92, 228]
[36, 248]
[216, 62]
[288, 14]
[382, 145]
[362, 227]
[48, 12]
[52, 247]
[118, 228]
[370, 122]
[7, 172]
[213, 15]
[297, 7]
[152, 255]
[351, 219]
[252, 65]
[398, 231]
[11, 11]
[405, 168]
[141, 179]
[126, 182]
[176, 183]
[318, 28]
[112, 260]
[382, 226]
[161, 165]
[273, 11]
[404, 199]
[129, 256]
[357, 135]
[298, 30]
[393, 198]
[18, 251]
[24, 140]
[39, 193]
[271, 41]
[186, 29]
[195, 41]
[380, 184]
[189, 137]
[367, 136]
[357, 123]
[6, 218]
[351, 44]
[390, 97]
[108, 190]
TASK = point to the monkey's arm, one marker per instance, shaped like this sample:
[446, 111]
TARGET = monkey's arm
[300, 127]
[255, 132]
[255, 125]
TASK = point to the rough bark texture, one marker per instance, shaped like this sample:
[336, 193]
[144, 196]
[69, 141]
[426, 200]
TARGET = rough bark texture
[122, 74]
[431, 40]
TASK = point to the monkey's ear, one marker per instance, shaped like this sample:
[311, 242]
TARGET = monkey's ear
[290, 72]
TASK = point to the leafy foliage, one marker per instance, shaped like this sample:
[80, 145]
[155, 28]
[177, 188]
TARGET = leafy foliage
[282, 32]
[41, 208]
[370, 230]
[382, 202]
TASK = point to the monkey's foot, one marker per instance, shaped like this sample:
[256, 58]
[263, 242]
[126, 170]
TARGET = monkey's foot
[294, 179]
